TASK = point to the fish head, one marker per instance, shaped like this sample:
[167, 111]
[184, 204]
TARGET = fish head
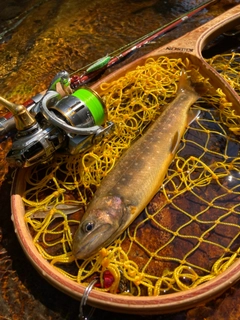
[98, 226]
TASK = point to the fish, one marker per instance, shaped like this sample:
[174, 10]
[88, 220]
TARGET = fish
[136, 177]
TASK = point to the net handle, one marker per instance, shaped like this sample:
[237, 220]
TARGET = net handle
[190, 46]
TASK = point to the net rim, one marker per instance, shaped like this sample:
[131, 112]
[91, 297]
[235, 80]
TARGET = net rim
[169, 303]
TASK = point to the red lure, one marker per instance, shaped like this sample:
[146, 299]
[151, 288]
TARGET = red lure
[108, 280]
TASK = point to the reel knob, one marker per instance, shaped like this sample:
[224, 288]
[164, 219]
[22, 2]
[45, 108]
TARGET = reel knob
[23, 119]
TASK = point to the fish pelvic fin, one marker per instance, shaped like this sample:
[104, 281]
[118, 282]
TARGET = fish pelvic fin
[191, 116]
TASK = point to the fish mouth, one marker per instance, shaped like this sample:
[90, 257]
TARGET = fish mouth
[85, 246]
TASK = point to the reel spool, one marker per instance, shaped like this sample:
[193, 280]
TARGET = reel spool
[84, 108]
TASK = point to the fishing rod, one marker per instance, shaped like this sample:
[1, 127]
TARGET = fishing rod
[102, 64]
[68, 116]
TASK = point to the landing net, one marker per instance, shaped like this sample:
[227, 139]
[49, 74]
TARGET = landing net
[189, 233]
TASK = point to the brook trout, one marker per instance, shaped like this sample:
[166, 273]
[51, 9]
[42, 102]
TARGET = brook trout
[136, 178]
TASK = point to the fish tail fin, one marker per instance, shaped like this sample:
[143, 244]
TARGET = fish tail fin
[185, 84]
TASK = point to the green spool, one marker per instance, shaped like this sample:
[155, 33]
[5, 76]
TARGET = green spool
[94, 103]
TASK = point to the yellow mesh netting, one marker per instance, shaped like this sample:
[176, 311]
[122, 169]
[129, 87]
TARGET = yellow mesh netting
[189, 233]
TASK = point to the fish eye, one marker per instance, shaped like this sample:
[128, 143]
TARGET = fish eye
[88, 226]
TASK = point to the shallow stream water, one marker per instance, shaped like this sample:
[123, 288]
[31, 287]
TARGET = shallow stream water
[37, 40]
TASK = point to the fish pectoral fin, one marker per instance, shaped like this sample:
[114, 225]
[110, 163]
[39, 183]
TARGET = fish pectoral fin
[192, 115]
[131, 209]
[175, 142]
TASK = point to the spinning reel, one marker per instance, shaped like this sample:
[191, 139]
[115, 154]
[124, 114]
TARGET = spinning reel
[59, 119]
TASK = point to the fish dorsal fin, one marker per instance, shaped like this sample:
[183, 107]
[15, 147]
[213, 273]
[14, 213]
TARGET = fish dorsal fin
[192, 115]
[175, 142]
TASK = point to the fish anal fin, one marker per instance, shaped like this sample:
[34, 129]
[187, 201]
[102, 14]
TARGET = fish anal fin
[192, 115]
